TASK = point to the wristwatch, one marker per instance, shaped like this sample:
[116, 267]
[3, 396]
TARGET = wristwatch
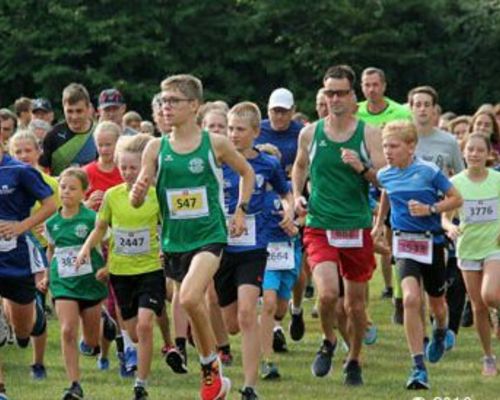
[433, 210]
[243, 207]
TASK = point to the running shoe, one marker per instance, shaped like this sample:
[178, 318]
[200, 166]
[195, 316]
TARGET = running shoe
[4, 329]
[102, 363]
[489, 366]
[279, 340]
[88, 351]
[435, 349]
[370, 335]
[130, 359]
[124, 372]
[140, 393]
[175, 360]
[269, 371]
[38, 372]
[322, 363]
[214, 386]
[418, 379]
[75, 392]
[297, 326]
[248, 393]
[449, 340]
[225, 358]
[352, 373]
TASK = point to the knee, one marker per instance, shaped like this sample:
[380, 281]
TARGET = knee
[143, 329]
[189, 300]
[269, 308]
[354, 307]
[68, 333]
[247, 318]
[491, 298]
[231, 326]
[328, 298]
[411, 301]
[480, 307]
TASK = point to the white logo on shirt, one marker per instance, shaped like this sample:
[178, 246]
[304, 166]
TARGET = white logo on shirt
[196, 166]
[322, 143]
[6, 190]
[168, 157]
[81, 231]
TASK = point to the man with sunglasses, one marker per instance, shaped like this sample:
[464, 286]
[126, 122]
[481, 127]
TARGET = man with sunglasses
[340, 154]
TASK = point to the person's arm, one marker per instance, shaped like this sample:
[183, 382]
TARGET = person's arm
[452, 230]
[287, 223]
[147, 174]
[451, 201]
[300, 169]
[96, 236]
[10, 229]
[383, 210]
[226, 153]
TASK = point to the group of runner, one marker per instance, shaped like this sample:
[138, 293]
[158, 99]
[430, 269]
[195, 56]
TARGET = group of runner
[225, 208]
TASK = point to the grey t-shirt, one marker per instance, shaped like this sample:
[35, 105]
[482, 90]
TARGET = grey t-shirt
[442, 149]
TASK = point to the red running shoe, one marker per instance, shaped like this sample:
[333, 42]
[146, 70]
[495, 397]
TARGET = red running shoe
[214, 386]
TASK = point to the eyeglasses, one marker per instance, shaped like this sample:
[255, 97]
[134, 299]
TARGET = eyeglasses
[339, 93]
[172, 101]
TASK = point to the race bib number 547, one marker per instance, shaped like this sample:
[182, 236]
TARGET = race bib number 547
[187, 203]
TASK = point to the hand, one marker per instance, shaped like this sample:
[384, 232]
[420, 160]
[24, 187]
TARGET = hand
[453, 232]
[138, 192]
[42, 281]
[83, 257]
[39, 229]
[352, 158]
[377, 233]
[237, 225]
[301, 206]
[418, 209]
[288, 225]
[269, 149]
[102, 274]
[95, 199]
[10, 229]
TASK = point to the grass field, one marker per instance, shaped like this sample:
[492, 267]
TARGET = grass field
[386, 367]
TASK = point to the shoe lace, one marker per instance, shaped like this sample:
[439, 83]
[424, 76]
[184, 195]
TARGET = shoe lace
[208, 374]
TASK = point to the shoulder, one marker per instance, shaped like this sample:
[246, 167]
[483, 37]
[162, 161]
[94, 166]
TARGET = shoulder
[295, 127]
[445, 137]
[419, 163]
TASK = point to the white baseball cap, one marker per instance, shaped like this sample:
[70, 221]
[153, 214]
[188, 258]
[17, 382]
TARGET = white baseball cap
[282, 98]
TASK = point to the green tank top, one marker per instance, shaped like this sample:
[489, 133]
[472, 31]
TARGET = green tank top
[190, 193]
[339, 195]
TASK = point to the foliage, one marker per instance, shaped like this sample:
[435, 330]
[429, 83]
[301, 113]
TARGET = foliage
[243, 49]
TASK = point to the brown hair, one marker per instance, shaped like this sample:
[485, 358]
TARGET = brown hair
[77, 173]
[22, 104]
[341, 72]
[479, 136]
[495, 134]
[373, 70]
[188, 85]
[248, 111]
[75, 92]
[423, 89]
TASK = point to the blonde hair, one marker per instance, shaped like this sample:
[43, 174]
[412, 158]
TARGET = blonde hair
[404, 130]
[23, 134]
[188, 85]
[131, 116]
[133, 144]
[248, 111]
[77, 173]
[108, 126]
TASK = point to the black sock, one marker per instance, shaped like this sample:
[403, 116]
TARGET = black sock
[119, 344]
[180, 343]
[23, 342]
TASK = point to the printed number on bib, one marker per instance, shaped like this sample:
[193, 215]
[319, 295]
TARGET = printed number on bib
[415, 246]
[248, 237]
[128, 242]
[187, 203]
[66, 262]
[345, 239]
[8, 244]
[477, 211]
[281, 256]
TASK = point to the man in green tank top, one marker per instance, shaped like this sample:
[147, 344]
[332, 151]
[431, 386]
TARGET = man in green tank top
[186, 165]
[340, 154]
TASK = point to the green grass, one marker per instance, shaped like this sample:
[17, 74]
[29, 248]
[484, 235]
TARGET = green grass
[386, 367]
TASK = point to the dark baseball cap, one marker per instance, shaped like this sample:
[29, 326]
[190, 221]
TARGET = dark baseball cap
[110, 97]
[41, 104]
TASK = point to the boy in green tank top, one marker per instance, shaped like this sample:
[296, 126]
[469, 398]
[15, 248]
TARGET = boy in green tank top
[186, 165]
[340, 154]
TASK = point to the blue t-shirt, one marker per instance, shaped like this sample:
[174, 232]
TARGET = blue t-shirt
[21, 186]
[273, 209]
[421, 181]
[267, 171]
[286, 141]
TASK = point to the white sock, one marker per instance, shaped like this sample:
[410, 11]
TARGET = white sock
[127, 341]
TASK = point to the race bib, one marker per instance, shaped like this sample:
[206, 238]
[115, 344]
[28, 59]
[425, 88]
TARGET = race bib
[478, 211]
[66, 262]
[132, 242]
[8, 244]
[415, 246]
[345, 239]
[249, 236]
[281, 256]
[187, 203]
